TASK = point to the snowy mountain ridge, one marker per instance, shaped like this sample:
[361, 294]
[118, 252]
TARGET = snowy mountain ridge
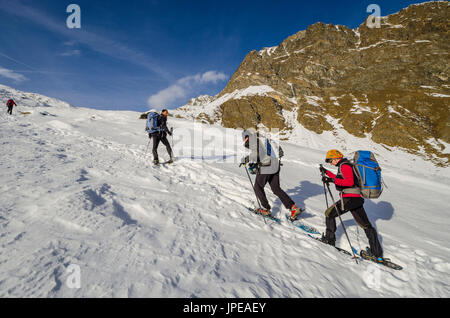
[29, 99]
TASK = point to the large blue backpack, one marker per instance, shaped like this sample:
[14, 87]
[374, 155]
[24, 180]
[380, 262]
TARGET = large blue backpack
[368, 172]
[152, 123]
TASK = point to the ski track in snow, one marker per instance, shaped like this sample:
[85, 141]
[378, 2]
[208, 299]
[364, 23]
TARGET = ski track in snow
[77, 190]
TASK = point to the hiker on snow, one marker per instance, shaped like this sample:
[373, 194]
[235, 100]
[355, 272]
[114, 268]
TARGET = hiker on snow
[266, 165]
[350, 200]
[10, 104]
[157, 129]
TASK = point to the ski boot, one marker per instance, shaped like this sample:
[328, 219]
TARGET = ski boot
[263, 212]
[369, 255]
[170, 160]
[323, 239]
[295, 212]
[156, 162]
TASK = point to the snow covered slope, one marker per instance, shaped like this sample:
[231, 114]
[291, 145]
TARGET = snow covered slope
[77, 189]
[29, 99]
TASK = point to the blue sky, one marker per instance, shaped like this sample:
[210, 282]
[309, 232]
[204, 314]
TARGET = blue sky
[131, 55]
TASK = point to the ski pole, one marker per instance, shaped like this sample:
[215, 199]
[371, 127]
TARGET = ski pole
[146, 150]
[342, 223]
[250, 179]
[324, 190]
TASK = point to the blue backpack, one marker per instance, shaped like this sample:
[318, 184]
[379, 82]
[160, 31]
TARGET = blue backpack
[368, 172]
[152, 123]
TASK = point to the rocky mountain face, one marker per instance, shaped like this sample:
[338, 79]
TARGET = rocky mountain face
[388, 83]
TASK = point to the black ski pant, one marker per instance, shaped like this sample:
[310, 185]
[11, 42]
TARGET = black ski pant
[157, 138]
[10, 109]
[274, 182]
[356, 208]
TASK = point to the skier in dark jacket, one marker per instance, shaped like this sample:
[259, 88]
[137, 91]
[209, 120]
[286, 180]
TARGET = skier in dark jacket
[350, 200]
[10, 104]
[161, 136]
[264, 162]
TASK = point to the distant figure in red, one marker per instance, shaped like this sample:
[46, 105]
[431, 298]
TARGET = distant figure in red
[10, 104]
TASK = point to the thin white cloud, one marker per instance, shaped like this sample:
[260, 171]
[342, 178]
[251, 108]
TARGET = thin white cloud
[70, 43]
[12, 75]
[16, 61]
[94, 41]
[213, 77]
[183, 88]
[167, 96]
[30, 69]
[71, 53]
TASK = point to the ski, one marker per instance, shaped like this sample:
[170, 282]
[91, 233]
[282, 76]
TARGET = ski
[386, 262]
[163, 164]
[167, 163]
[338, 248]
[299, 224]
[270, 217]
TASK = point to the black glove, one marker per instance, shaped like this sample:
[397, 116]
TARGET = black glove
[253, 168]
[150, 136]
[170, 134]
[323, 170]
[327, 180]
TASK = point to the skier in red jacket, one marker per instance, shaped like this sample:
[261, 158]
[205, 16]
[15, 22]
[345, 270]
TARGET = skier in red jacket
[10, 104]
[351, 200]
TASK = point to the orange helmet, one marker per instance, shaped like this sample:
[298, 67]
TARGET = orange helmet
[333, 154]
